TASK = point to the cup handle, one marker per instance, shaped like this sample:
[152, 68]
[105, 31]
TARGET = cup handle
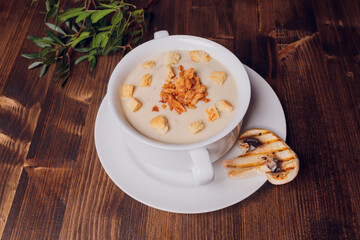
[202, 169]
[160, 34]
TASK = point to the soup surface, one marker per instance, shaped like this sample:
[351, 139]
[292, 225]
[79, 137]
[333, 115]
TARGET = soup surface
[178, 124]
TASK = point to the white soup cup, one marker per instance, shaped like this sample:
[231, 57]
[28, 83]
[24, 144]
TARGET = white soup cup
[196, 157]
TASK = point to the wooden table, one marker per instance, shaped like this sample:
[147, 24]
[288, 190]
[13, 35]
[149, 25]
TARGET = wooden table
[53, 185]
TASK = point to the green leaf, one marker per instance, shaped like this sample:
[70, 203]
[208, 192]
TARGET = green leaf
[107, 6]
[83, 15]
[124, 4]
[63, 74]
[70, 13]
[47, 5]
[82, 36]
[48, 39]
[82, 58]
[55, 28]
[116, 48]
[93, 64]
[74, 28]
[43, 70]
[82, 50]
[136, 40]
[120, 30]
[104, 28]
[117, 17]
[109, 47]
[34, 65]
[31, 55]
[54, 37]
[93, 53]
[51, 13]
[65, 79]
[32, 38]
[114, 4]
[99, 38]
[135, 32]
[91, 57]
[89, 26]
[50, 58]
[70, 26]
[105, 41]
[40, 41]
[106, 49]
[137, 13]
[43, 42]
[44, 53]
[93, 49]
[48, 54]
[97, 15]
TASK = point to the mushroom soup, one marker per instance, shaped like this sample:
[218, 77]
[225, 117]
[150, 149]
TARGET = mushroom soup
[179, 97]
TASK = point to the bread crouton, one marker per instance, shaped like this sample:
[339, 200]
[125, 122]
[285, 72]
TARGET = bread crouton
[196, 127]
[172, 58]
[169, 71]
[212, 113]
[146, 80]
[128, 90]
[199, 56]
[148, 65]
[160, 124]
[224, 106]
[133, 104]
[218, 76]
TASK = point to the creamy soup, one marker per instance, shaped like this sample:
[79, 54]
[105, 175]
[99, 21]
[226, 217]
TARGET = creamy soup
[178, 132]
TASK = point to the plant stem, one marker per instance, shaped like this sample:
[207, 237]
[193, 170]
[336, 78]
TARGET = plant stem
[78, 34]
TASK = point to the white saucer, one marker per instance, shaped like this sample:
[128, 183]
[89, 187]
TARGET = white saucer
[176, 191]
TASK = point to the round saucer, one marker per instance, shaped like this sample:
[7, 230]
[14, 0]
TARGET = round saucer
[176, 191]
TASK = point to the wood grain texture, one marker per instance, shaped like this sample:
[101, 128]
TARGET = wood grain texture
[53, 184]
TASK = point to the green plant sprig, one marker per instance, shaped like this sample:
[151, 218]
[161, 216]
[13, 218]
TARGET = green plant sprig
[97, 28]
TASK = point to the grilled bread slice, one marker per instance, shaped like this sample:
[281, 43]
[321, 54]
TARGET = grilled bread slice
[263, 153]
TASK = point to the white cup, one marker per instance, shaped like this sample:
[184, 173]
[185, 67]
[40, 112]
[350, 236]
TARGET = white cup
[196, 157]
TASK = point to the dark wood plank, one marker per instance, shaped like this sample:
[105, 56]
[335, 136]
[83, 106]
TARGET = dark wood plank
[323, 176]
[20, 104]
[310, 105]
[219, 14]
[13, 27]
[338, 26]
[91, 186]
